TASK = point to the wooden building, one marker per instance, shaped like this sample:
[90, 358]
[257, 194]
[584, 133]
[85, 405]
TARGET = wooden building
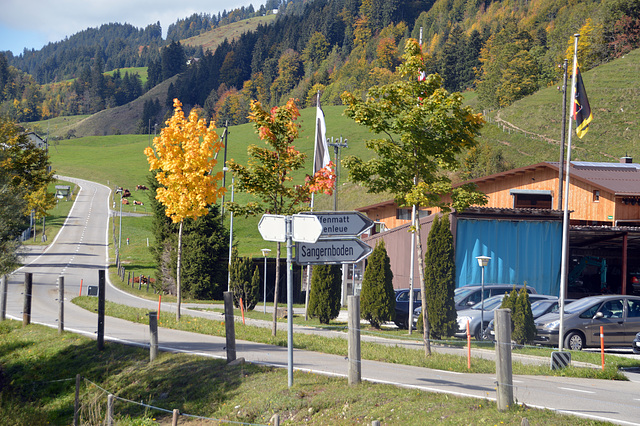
[604, 238]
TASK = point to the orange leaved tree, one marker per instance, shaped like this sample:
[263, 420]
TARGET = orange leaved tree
[183, 157]
[268, 174]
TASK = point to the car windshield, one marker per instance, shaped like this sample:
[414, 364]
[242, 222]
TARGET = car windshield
[538, 308]
[460, 293]
[490, 304]
[580, 305]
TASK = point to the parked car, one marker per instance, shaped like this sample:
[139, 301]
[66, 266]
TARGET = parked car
[619, 315]
[636, 344]
[538, 309]
[475, 314]
[402, 305]
[467, 296]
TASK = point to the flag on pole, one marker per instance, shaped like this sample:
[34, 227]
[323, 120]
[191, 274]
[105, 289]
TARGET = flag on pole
[581, 111]
[321, 157]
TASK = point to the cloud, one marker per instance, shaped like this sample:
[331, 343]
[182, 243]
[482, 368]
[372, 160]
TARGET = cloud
[42, 21]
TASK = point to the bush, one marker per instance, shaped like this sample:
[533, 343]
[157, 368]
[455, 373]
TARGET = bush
[377, 302]
[324, 300]
[244, 284]
[524, 329]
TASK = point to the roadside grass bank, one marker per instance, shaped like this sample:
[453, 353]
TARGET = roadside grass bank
[37, 386]
[338, 345]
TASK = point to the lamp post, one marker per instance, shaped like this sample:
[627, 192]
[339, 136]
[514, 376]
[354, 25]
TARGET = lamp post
[230, 232]
[482, 261]
[265, 253]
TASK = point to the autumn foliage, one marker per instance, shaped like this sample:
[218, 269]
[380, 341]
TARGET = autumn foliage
[183, 156]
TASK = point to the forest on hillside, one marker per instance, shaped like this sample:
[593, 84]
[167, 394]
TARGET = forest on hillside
[502, 49]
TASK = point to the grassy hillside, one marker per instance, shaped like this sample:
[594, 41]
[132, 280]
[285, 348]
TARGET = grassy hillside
[210, 40]
[614, 98]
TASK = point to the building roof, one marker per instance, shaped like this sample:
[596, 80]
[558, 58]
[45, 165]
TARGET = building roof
[616, 178]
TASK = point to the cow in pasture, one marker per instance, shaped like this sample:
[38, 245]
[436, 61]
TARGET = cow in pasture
[138, 203]
[125, 201]
[141, 187]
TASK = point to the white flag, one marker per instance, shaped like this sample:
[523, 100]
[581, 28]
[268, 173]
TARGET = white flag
[321, 156]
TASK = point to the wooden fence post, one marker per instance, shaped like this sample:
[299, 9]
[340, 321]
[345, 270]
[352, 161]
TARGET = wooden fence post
[503, 358]
[101, 295]
[229, 326]
[60, 305]
[3, 297]
[26, 308]
[110, 410]
[153, 335]
[76, 404]
[354, 340]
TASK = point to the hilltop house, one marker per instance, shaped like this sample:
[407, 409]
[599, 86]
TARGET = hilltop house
[521, 231]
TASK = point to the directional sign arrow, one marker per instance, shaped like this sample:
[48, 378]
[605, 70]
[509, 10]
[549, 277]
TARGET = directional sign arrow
[332, 251]
[305, 228]
[342, 224]
[272, 227]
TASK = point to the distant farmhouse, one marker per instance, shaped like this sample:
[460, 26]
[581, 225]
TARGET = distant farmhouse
[521, 229]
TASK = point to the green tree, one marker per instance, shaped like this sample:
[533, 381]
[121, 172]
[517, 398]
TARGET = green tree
[377, 301]
[439, 278]
[324, 300]
[316, 51]
[524, 328]
[244, 284]
[484, 160]
[424, 129]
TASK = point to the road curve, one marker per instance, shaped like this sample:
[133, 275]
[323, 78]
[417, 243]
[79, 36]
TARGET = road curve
[81, 249]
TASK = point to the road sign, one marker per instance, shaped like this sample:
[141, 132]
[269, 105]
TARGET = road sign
[305, 228]
[342, 224]
[348, 250]
[273, 227]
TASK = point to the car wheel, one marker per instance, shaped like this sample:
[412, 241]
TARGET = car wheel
[574, 341]
[477, 334]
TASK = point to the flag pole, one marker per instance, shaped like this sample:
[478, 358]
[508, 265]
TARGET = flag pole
[565, 219]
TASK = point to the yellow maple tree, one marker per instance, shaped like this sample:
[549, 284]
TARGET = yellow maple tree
[183, 158]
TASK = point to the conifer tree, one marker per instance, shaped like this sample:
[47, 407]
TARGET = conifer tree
[324, 300]
[524, 329]
[440, 279]
[377, 302]
[244, 284]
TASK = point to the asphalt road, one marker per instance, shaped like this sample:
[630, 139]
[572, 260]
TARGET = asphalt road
[80, 250]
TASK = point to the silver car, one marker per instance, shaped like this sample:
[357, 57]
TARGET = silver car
[475, 314]
[619, 316]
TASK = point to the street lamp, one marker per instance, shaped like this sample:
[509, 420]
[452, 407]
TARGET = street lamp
[482, 261]
[230, 233]
[265, 253]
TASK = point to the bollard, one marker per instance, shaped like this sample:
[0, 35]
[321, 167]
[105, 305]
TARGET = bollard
[174, 420]
[101, 295]
[503, 358]
[468, 347]
[80, 287]
[229, 326]
[109, 410]
[153, 335]
[3, 297]
[60, 305]
[602, 346]
[26, 308]
[354, 340]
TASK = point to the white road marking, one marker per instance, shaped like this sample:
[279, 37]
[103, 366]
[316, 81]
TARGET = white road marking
[576, 390]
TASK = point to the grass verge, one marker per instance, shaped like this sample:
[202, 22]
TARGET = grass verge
[38, 383]
[337, 345]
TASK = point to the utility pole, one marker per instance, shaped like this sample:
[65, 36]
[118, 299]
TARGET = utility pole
[336, 150]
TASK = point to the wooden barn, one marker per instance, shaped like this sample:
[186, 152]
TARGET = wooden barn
[521, 226]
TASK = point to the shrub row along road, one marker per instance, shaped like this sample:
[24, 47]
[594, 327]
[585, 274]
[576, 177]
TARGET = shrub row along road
[81, 249]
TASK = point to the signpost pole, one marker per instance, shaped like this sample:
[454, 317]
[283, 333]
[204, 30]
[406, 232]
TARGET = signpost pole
[289, 234]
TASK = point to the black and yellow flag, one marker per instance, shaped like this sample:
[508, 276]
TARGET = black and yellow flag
[581, 109]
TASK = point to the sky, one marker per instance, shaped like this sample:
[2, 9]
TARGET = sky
[32, 24]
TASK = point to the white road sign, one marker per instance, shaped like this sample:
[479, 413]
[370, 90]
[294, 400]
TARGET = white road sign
[273, 227]
[305, 228]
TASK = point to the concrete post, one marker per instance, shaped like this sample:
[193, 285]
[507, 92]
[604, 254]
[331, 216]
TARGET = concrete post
[153, 335]
[354, 340]
[109, 410]
[26, 308]
[4, 282]
[60, 305]
[229, 326]
[503, 359]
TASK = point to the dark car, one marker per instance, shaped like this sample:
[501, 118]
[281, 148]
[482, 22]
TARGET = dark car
[402, 305]
[636, 344]
[618, 315]
[467, 296]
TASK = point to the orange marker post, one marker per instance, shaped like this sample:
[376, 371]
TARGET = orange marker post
[602, 346]
[468, 347]
[80, 287]
[159, 303]
[242, 310]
